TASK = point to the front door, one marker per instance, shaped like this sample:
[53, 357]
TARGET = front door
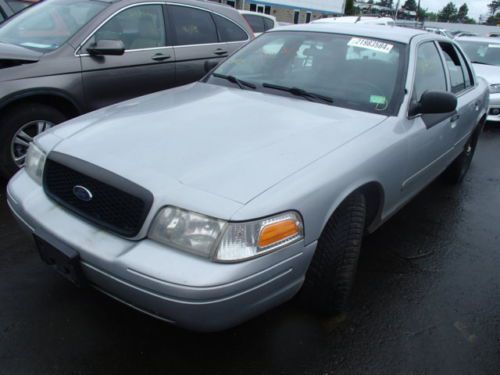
[148, 64]
[431, 142]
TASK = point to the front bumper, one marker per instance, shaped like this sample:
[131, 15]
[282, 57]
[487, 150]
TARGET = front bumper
[494, 108]
[183, 289]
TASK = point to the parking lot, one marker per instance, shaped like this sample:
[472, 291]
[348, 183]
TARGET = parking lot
[427, 301]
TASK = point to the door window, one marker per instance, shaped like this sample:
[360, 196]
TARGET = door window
[429, 74]
[469, 80]
[229, 31]
[192, 26]
[456, 70]
[255, 23]
[268, 24]
[137, 27]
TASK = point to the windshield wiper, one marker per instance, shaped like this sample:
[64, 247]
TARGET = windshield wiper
[299, 92]
[480, 62]
[242, 84]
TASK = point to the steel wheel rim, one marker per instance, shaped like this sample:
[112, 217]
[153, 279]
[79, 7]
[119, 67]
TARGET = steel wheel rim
[24, 136]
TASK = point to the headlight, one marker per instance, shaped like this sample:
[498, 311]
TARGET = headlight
[186, 230]
[494, 89]
[223, 241]
[35, 162]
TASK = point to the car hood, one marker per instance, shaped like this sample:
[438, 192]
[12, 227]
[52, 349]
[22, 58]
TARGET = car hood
[491, 73]
[225, 141]
[11, 53]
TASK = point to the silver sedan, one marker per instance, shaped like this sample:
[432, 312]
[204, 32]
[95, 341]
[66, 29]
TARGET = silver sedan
[211, 203]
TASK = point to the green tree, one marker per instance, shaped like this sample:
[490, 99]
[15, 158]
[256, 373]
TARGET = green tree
[448, 13]
[410, 5]
[385, 3]
[462, 13]
[349, 7]
[493, 6]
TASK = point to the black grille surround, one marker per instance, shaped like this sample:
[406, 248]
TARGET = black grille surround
[117, 204]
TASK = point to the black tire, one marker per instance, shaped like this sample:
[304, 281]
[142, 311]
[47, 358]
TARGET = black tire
[331, 274]
[457, 170]
[13, 120]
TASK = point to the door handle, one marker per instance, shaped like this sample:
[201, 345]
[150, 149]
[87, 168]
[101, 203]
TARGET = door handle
[476, 105]
[220, 52]
[160, 57]
[454, 120]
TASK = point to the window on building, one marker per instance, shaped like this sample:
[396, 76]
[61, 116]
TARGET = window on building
[267, 9]
[296, 16]
[308, 17]
[231, 3]
[253, 7]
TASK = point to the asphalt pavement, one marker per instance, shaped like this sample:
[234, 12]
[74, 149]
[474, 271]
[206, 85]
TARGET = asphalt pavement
[426, 301]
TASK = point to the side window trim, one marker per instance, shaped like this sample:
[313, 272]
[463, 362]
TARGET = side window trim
[468, 69]
[173, 39]
[95, 30]
[465, 89]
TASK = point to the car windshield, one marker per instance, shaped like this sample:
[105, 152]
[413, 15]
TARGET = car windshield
[340, 70]
[482, 52]
[50, 24]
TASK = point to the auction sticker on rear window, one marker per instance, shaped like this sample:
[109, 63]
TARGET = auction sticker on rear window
[374, 45]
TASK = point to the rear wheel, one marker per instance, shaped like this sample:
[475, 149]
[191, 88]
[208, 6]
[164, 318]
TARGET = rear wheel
[18, 127]
[330, 276]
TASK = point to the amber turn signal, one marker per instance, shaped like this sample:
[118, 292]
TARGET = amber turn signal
[279, 231]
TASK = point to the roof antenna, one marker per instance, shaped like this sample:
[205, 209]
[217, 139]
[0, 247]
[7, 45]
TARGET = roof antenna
[358, 19]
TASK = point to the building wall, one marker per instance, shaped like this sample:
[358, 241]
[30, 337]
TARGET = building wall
[284, 10]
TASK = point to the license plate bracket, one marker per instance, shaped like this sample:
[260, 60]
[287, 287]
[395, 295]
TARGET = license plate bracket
[65, 261]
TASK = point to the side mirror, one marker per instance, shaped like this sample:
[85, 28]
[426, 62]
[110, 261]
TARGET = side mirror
[434, 102]
[210, 64]
[107, 48]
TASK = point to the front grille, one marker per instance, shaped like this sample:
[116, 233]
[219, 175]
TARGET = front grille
[117, 204]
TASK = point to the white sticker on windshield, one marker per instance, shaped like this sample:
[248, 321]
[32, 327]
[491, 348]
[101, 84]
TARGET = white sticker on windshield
[493, 45]
[374, 45]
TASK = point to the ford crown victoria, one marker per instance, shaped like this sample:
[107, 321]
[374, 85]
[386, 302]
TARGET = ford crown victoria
[208, 204]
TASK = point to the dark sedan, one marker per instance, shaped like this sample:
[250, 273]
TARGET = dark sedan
[63, 58]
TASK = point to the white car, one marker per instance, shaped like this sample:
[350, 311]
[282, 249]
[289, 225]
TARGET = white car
[358, 19]
[484, 54]
[259, 22]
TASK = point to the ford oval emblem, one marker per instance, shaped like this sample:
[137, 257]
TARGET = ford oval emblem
[82, 193]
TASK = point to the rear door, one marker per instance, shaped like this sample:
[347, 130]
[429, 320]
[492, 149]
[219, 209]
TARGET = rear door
[462, 85]
[148, 64]
[198, 39]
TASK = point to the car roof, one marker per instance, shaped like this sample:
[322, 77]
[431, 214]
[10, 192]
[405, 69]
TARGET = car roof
[479, 39]
[393, 33]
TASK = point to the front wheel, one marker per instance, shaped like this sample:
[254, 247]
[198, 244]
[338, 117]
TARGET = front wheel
[18, 127]
[330, 276]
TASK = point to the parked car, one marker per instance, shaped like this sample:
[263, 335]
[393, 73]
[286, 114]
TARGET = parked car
[63, 58]
[10, 7]
[387, 21]
[189, 205]
[440, 31]
[484, 53]
[259, 22]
